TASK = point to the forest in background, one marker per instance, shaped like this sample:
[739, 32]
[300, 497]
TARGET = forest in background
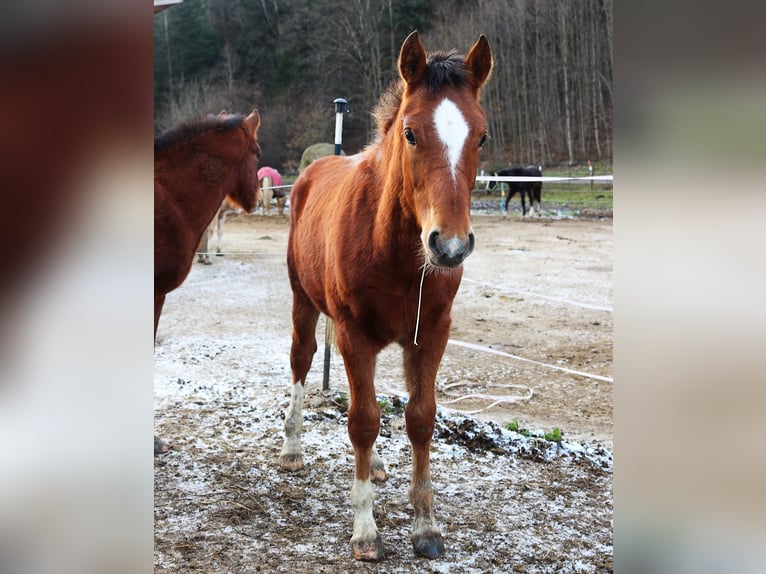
[549, 100]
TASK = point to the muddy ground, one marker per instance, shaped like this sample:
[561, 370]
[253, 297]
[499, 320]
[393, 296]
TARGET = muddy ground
[537, 289]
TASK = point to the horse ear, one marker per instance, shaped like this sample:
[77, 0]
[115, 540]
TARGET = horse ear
[253, 121]
[412, 59]
[479, 61]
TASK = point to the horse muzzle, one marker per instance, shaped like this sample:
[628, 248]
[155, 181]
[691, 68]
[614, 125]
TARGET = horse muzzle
[449, 251]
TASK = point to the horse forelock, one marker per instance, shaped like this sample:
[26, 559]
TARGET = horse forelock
[191, 129]
[444, 69]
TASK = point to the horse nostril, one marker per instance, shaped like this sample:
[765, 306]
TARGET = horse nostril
[433, 243]
[471, 243]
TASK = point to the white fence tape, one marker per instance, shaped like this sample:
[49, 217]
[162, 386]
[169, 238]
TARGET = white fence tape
[275, 186]
[506, 178]
[484, 349]
[548, 297]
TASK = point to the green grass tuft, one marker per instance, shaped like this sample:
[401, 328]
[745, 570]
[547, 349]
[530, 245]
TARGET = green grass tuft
[554, 436]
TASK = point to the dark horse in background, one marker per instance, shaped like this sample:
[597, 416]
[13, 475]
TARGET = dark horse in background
[532, 189]
[196, 165]
[377, 241]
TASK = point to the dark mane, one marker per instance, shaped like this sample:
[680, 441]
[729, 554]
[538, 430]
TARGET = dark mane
[189, 130]
[442, 68]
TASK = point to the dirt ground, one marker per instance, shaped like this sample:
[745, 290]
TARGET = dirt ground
[538, 289]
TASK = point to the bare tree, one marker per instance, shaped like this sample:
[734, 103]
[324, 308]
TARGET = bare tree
[550, 97]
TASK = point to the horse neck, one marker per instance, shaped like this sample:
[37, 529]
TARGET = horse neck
[396, 223]
[206, 187]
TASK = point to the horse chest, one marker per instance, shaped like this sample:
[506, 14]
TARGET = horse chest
[388, 311]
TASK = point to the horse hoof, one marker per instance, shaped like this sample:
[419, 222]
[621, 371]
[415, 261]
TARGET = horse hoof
[378, 474]
[429, 545]
[291, 462]
[160, 446]
[368, 550]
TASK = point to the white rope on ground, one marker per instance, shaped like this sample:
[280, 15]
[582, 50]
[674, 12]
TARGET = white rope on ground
[496, 399]
[482, 348]
[549, 298]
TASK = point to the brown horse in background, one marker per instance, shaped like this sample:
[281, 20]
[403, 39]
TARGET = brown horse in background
[196, 165]
[376, 243]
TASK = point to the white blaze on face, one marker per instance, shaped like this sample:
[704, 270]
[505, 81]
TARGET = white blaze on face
[452, 129]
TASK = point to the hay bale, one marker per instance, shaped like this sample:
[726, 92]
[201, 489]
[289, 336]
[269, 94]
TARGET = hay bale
[314, 152]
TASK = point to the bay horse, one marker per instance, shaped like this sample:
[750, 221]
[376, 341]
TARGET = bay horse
[376, 242]
[533, 189]
[196, 165]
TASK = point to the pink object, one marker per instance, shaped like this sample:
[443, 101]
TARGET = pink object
[267, 171]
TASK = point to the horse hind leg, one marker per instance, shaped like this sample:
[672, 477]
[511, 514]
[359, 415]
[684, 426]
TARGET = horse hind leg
[538, 197]
[203, 256]
[219, 230]
[268, 194]
[203, 251]
[291, 456]
[302, 351]
[377, 467]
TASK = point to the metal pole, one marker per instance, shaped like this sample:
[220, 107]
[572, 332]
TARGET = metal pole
[329, 331]
[340, 109]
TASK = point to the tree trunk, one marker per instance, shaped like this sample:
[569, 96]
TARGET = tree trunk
[564, 47]
[171, 88]
[594, 85]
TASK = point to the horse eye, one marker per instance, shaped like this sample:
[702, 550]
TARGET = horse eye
[483, 140]
[256, 150]
[410, 136]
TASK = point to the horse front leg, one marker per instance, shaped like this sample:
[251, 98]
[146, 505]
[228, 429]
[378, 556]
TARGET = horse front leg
[363, 428]
[420, 365]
